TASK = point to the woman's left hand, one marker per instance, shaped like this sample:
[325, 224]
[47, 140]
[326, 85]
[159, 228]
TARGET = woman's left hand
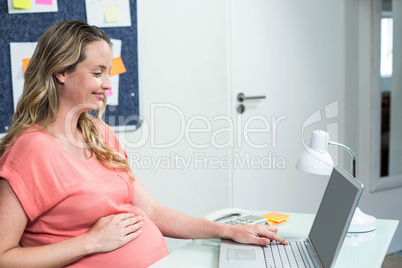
[255, 234]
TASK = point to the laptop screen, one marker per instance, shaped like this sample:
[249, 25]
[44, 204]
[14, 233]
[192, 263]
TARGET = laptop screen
[332, 217]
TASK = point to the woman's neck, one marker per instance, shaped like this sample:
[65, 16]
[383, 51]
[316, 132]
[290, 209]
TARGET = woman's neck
[65, 125]
[66, 133]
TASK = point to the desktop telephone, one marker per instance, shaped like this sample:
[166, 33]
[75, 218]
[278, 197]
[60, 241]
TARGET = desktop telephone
[234, 216]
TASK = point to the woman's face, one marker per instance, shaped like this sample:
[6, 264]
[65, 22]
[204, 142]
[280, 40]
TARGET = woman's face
[84, 88]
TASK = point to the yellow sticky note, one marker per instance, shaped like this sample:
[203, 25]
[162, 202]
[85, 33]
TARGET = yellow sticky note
[276, 217]
[22, 4]
[112, 13]
[117, 66]
[25, 63]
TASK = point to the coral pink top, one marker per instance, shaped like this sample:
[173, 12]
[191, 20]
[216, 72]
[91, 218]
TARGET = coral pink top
[64, 196]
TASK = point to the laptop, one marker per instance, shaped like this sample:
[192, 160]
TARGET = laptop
[320, 248]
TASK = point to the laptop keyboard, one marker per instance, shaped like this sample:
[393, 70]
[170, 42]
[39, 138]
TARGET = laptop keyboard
[291, 255]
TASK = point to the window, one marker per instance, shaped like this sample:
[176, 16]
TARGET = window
[386, 47]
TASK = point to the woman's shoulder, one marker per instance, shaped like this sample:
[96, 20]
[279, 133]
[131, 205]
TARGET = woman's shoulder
[34, 137]
[31, 141]
[28, 148]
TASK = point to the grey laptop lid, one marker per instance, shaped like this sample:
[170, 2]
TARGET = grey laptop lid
[334, 215]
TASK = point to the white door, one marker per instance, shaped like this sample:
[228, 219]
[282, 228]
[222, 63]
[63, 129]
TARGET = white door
[291, 53]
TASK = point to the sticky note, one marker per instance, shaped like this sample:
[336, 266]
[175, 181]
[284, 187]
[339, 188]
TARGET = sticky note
[22, 4]
[44, 2]
[273, 223]
[109, 92]
[112, 13]
[276, 217]
[25, 63]
[117, 66]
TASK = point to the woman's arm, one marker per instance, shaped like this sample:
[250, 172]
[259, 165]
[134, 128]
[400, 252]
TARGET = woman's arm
[175, 224]
[106, 234]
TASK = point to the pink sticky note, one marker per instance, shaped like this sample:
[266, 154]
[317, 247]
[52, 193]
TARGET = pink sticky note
[44, 2]
[109, 92]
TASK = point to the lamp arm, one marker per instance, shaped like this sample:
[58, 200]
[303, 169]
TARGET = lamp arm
[353, 163]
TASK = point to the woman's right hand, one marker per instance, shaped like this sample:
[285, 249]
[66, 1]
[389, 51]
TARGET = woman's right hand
[114, 231]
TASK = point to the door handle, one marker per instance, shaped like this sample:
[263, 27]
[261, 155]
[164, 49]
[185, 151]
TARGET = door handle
[241, 97]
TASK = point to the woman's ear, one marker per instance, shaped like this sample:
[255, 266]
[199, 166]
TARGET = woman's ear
[60, 76]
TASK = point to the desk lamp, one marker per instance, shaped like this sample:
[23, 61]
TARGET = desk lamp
[317, 160]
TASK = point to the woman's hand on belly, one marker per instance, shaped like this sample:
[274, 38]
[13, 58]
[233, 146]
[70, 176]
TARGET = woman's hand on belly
[114, 231]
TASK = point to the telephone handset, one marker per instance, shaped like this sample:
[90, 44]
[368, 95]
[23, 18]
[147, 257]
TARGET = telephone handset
[234, 216]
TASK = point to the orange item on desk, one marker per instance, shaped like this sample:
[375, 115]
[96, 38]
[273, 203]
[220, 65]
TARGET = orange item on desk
[275, 218]
[273, 222]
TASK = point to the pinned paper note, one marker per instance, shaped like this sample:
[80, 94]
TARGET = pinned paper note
[113, 98]
[31, 6]
[117, 66]
[19, 52]
[108, 13]
[22, 4]
[25, 63]
[112, 13]
[44, 2]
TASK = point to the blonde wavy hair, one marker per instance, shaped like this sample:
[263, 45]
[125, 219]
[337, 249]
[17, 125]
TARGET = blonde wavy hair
[59, 49]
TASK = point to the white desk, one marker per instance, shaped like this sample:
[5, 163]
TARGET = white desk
[358, 249]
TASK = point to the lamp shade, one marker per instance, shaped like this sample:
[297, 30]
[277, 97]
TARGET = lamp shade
[316, 159]
[315, 162]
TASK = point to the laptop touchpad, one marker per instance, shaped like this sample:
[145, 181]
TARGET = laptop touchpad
[241, 254]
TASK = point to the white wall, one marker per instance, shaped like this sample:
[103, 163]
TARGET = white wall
[182, 63]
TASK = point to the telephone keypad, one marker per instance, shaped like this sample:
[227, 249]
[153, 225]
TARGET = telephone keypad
[242, 220]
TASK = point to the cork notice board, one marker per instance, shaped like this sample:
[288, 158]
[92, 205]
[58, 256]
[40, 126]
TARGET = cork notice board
[28, 27]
